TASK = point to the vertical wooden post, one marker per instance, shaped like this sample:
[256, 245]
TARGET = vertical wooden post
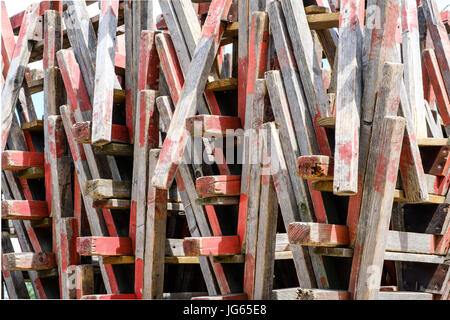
[286, 200]
[413, 66]
[102, 107]
[376, 209]
[155, 236]
[65, 229]
[257, 65]
[253, 184]
[147, 137]
[348, 98]
[267, 228]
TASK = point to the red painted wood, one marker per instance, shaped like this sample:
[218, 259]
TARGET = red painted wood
[212, 125]
[18, 160]
[24, 209]
[211, 186]
[8, 41]
[82, 132]
[73, 81]
[439, 35]
[104, 246]
[320, 234]
[211, 246]
[436, 79]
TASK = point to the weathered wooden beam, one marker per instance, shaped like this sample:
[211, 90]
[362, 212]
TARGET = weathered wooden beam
[115, 149]
[251, 194]
[35, 125]
[103, 246]
[303, 48]
[81, 280]
[195, 82]
[288, 203]
[317, 234]
[18, 160]
[82, 132]
[102, 106]
[212, 186]
[146, 137]
[95, 217]
[376, 209]
[318, 294]
[83, 40]
[212, 126]
[155, 236]
[211, 246]
[24, 261]
[140, 19]
[14, 282]
[437, 80]
[301, 118]
[16, 72]
[194, 213]
[24, 209]
[265, 250]
[104, 189]
[348, 98]
[440, 38]
[116, 204]
[413, 66]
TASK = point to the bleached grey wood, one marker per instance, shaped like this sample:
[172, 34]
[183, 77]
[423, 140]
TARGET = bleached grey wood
[303, 48]
[376, 206]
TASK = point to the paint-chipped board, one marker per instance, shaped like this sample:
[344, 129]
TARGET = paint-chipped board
[115, 149]
[83, 133]
[266, 241]
[195, 82]
[287, 202]
[212, 125]
[413, 65]
[103, 246]
[102, 106]
[211, 186]
[24, 261]
[376, 206]
[317, 234]
[107, 189]
[146, 137]
[211, 246]
[303, 48]
[95, 216]
[24, 209]
[13, 280]
[155, 237]
[348, 98]
[18, 160]
[249, 209]
[194, 212]
[437, 80]
[16, 72]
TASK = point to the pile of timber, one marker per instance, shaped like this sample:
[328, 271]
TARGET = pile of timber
[210, 154]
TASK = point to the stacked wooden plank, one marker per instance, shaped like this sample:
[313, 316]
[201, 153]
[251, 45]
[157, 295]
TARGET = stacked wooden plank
[227, 150]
